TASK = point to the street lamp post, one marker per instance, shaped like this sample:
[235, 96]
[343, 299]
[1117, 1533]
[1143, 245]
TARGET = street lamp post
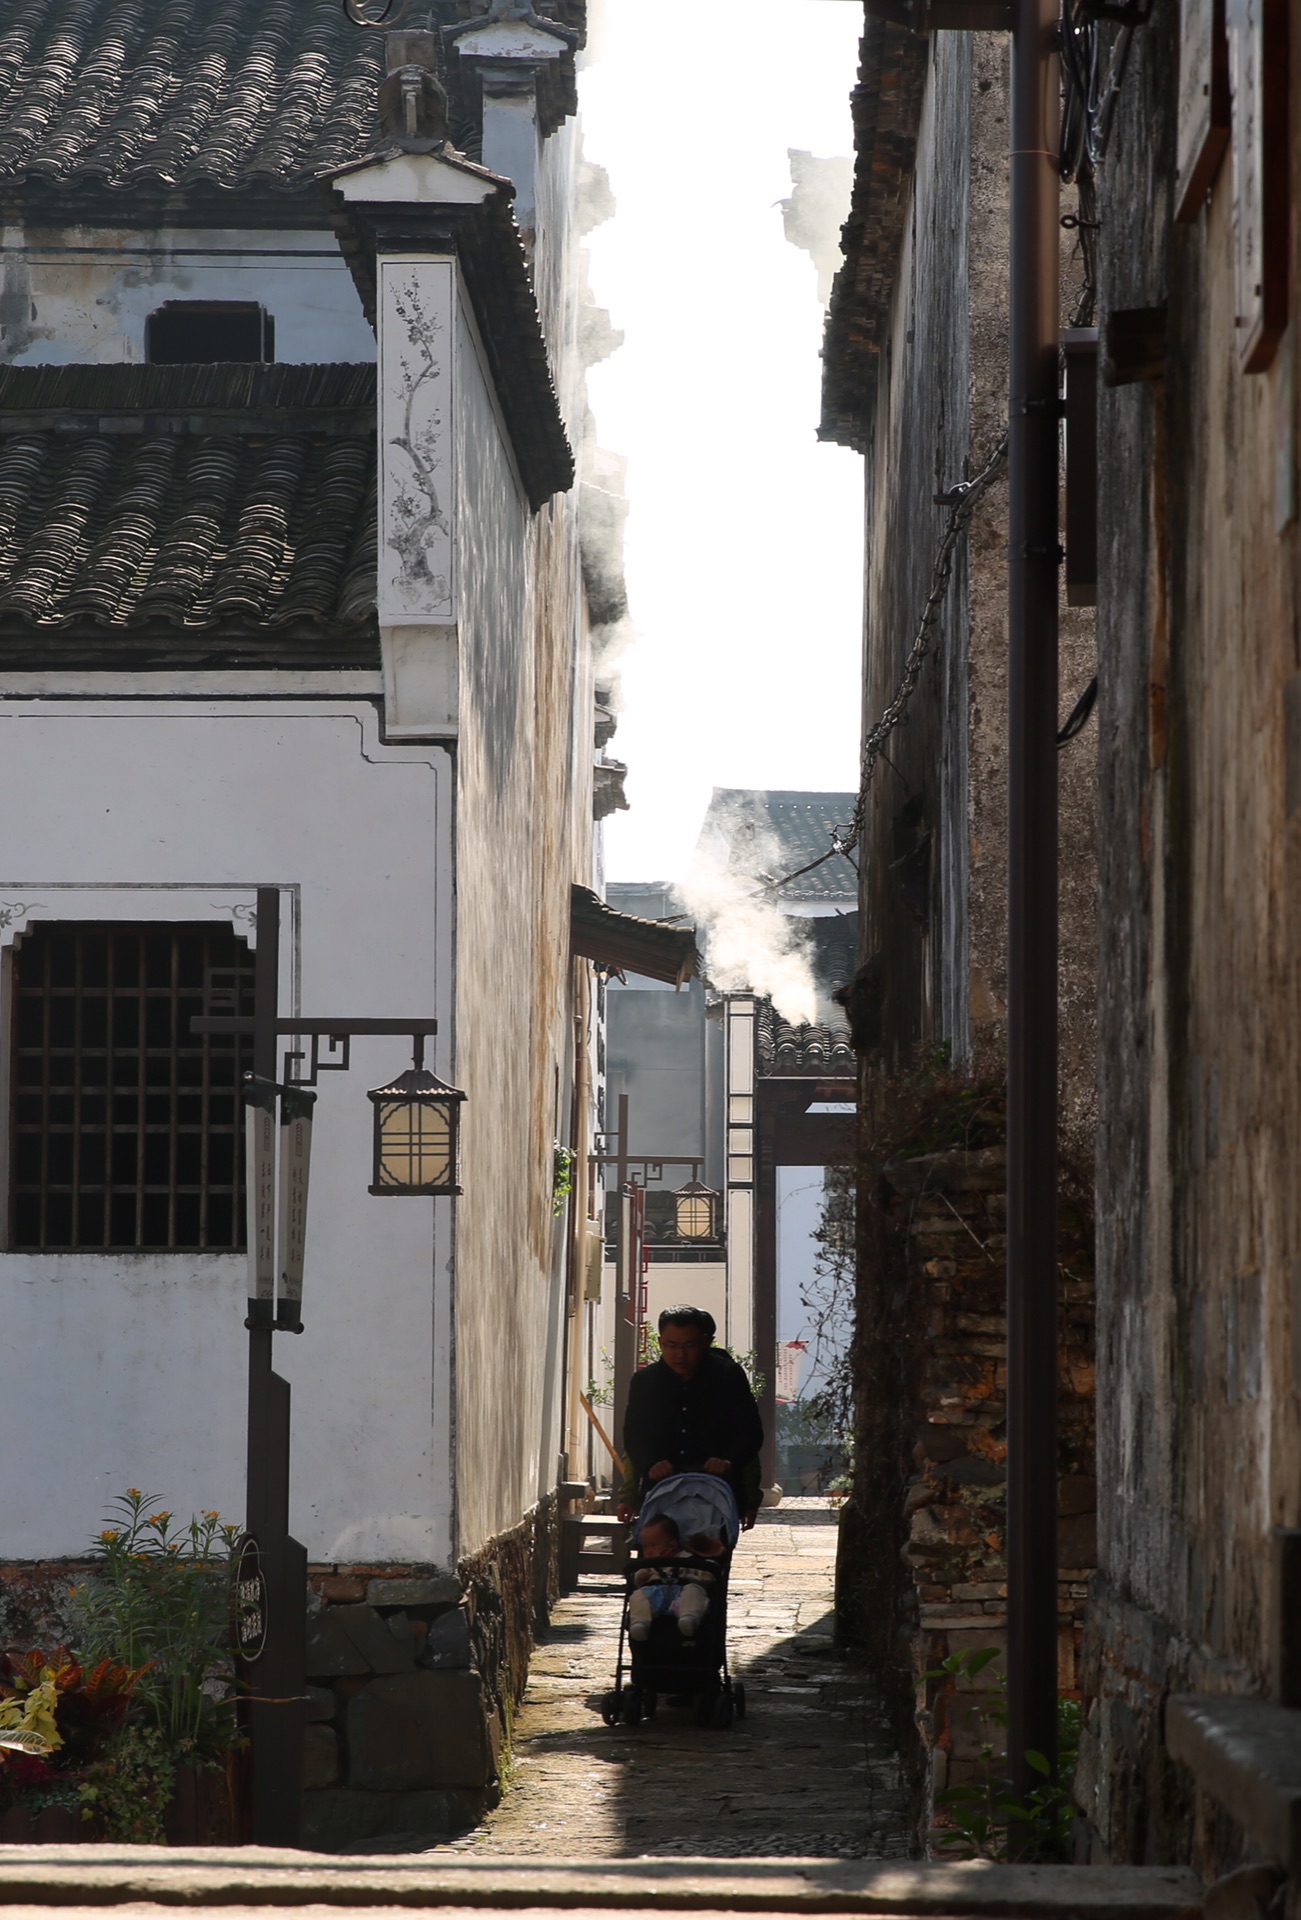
[416, 1137]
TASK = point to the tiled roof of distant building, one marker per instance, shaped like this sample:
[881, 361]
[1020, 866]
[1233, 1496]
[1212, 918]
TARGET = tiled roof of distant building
[769, 833]
[223, 93]
[786, 1048]
[182, 511]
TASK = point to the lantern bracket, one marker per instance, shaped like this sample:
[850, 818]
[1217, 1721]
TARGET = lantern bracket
[338, 1035]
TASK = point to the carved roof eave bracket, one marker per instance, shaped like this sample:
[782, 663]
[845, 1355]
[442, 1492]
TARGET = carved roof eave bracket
[434, 201]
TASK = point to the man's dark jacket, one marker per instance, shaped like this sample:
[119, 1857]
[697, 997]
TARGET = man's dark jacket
[711, 1416]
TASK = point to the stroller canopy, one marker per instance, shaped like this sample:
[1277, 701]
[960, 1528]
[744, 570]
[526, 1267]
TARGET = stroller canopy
[697, 1502]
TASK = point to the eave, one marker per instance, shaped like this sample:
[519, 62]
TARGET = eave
[627, 944]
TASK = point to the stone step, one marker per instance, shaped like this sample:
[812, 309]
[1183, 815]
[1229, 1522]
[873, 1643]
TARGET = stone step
[247, 1878]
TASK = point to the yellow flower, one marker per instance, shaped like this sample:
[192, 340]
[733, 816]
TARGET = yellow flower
[109, 1535]
[134, 1493]
[158, 1519]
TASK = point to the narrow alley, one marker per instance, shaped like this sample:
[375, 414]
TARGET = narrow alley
[810, 1770]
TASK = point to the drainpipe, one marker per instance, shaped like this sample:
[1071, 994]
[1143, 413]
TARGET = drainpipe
[1033, 561]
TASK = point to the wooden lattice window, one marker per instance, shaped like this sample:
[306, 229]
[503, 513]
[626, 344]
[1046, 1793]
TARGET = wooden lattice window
[126, 1129]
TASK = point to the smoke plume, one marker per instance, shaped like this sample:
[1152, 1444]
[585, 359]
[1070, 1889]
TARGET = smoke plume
[749, 945]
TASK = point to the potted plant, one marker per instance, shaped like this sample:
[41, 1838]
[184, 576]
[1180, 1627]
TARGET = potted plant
[160, 1600]
[56, 1721]
[135, 1737]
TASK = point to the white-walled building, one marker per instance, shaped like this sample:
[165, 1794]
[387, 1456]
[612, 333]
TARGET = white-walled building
[290, 596]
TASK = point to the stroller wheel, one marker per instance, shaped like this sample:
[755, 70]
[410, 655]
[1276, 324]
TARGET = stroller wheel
[721, 1717]
[610, 1709]
[738, 1700]
[632, 1704]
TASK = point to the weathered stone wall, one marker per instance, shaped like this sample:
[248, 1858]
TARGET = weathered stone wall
[1198, 1203]
[37, 1601]
[414, 1677]
[915, 843]
[934, 908]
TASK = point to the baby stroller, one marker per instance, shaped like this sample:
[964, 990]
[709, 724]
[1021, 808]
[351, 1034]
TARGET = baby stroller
[665, 1662]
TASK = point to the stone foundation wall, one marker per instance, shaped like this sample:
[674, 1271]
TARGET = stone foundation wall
[414, 1675]
[37, 1601]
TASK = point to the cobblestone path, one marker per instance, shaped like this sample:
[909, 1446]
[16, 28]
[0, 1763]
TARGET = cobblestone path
[810, 1770]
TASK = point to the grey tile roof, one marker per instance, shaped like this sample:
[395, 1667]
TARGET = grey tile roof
[770, 832]
[187, 500]
[226, 93]
[802, 1050]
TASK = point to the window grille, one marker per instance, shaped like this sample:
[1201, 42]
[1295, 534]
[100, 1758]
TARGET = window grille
[127, 1128]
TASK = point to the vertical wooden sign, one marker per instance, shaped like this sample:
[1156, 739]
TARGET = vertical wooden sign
[1258, 76]
[260, 1175]
[296, 1105]
[1203, 131]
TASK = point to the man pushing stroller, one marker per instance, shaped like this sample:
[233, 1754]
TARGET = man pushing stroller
[691, 1411]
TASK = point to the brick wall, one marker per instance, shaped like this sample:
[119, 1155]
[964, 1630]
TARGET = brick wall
[926, 1555]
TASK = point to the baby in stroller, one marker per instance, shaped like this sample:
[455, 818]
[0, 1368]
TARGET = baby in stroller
[661, 1587]
[674, 1620]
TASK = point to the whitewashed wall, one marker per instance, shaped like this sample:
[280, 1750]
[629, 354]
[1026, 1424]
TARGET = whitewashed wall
[478, 607]
[503, 1245]
[129, 1370]
[82, 297]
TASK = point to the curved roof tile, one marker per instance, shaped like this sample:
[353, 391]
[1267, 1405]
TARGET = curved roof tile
[260, 518]
[177, 93]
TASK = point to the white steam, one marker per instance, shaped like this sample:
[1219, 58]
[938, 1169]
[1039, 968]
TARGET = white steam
[749, 945]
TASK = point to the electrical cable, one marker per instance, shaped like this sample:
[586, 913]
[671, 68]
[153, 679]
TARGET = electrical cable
[1077, 719]
[961, 501]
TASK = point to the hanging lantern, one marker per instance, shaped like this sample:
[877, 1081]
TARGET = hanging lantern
[695, 1212]
[417, 1133]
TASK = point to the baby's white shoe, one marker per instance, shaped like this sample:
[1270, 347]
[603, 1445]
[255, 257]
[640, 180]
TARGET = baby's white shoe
[687, 1627]
[639, 1630]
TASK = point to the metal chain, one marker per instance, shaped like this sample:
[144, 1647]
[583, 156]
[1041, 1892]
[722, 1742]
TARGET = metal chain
[962, 501]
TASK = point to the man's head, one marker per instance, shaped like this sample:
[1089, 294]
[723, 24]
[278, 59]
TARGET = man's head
[660, 1537]
[685, 1336]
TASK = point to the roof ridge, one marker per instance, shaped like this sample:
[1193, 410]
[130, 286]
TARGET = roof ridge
[237, 386]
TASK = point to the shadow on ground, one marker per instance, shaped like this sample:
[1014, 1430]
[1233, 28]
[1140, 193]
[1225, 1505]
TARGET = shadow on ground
[810, 1770]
